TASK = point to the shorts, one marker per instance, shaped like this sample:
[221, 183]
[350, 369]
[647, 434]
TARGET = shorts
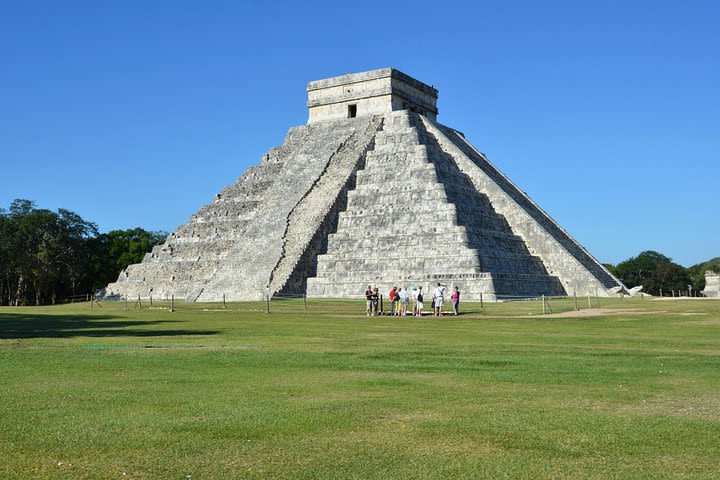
[404, 302]
[369, 304]
[439, 302]
[419, 305]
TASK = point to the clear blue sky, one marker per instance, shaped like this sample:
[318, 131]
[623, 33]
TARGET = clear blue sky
[137, 113]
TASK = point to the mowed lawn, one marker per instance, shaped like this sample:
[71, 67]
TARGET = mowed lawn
[326, 392]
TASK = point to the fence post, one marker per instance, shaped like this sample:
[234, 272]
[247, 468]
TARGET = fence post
[382, 310]
[481, 301]
[126, 307]
[224, 304]
[151, 300]
[543, 300]
[267, 303]
[92, 300]
[139, 302]
[305, 300]
[575, 298]
[597, 295]
[661, 293]
[589, 304]
[172, 303]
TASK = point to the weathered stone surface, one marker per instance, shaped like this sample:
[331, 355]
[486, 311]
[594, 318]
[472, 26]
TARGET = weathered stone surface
[712, 284]
[388, 197]
[369, 93]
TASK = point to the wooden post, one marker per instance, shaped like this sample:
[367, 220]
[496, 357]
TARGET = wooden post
[481, 301]
[661, 293]
[139, 303]
[151, 300]
[172, 303]
[589, 304]
[87, 297]
[267, 303]
[94, 300]
[305, 300]
[126, 307]
[382, 310]
[597, 295]
[575, 298]
[224, 304]
[543, 300]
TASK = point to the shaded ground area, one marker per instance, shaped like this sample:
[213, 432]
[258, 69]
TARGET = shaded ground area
[33, 325]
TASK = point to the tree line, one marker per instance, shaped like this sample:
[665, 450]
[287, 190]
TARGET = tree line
[47, 256]
[658, 273]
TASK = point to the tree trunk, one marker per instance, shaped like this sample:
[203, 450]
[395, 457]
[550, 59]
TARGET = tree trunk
[18, 291]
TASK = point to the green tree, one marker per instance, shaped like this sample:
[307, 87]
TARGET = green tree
[115, 250]
[654, 271]
[46, 255]
[43, 254]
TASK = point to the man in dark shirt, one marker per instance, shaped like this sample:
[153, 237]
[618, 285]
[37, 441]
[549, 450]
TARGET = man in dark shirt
[369, 300]
[375, 300]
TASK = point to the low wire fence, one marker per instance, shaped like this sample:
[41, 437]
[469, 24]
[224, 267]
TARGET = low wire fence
[278, 303]
[356, 306]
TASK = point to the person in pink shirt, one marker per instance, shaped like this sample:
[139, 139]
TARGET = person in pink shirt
[455, 298]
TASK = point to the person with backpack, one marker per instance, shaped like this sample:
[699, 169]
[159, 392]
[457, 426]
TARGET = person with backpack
[419, 303]
[404, 300]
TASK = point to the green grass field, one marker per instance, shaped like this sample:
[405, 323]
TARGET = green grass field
[326, 392]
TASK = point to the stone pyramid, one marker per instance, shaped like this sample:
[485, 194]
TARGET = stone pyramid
[372, 190]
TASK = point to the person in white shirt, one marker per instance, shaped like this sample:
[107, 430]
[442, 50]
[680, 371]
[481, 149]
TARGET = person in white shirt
[404, 300]
[439, 297]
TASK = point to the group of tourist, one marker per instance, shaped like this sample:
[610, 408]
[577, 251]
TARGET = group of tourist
[400, 300]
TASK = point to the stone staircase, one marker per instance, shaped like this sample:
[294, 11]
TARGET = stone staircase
[316, 209]
[402, 225]
[231, 245]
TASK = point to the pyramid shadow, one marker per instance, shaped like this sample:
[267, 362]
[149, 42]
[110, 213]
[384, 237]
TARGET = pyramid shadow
[30, 325]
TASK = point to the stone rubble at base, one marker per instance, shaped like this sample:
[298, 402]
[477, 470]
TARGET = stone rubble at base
[712, 284]
[385, 197]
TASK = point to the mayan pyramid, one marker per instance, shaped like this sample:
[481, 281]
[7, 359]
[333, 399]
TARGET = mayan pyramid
[372, 190]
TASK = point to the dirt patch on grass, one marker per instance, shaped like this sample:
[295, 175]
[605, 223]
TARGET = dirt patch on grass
[598, 312]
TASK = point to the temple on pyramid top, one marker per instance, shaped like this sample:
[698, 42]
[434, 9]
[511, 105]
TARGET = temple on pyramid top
[369, 93]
